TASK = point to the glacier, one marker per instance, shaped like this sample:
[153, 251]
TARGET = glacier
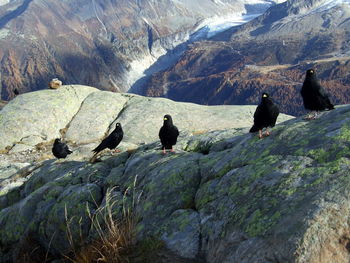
[161, 58]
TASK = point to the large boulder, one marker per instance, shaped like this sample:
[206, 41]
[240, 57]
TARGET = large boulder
[284, 198]
[95, 116]
[85, 115]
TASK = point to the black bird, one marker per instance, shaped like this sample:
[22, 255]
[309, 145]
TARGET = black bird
[168, 134]
[16, 92]
[265, 115]
[60, 149]
[112, 140]
[314, 95]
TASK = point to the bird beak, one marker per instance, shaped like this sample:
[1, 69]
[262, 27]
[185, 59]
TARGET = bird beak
[165, 119]
[264, 96]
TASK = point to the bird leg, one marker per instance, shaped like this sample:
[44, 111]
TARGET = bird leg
[172, 150]
[260, 134]
[117, 151]
[164, 151]
[267, 133]
[93, 158]
[311, 116]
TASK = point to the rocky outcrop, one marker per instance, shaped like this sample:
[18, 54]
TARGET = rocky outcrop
[83, 115]
[225, 196]
[39, 116]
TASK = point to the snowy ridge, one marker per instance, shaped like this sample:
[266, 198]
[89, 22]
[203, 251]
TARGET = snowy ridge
[211, 27]
[330, 4]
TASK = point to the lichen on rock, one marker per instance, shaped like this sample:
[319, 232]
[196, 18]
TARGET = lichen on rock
[224, 196]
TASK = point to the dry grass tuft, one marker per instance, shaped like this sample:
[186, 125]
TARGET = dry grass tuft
[199, 132]
[44, 146]
[44, 157]
[131, 150]
[63, 131]
[116, 236]
[6, 150]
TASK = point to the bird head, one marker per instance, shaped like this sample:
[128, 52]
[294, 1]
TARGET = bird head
[58, 140]
[265, 95]
[265, 98]
[118, 125]
[310, 72]
[167, 119]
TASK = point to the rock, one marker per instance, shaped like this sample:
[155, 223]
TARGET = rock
[32, 140]
[188, 117]
[19, 147]
[70, 213]
[42, 113]
[95, 116]
[7, 170]
[72, 112]
[182, 234]
[225, 196]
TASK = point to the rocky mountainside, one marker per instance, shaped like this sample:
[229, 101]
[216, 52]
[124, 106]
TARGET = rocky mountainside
[107, 44]
[225, 196]
[271, 53]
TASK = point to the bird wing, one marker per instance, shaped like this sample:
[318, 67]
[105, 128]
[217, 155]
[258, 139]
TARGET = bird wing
[66, 148]
[274, 114]
[258, 113]
[257, 118]
[322, 91]
[161, 132]
[176, 131]
[103, 145]
[119, 137]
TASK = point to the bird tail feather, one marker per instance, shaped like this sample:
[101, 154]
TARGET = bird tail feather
[331, 106]
[95, 150]
[254, 129]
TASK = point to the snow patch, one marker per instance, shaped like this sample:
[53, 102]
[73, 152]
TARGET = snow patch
[326, 5]
[4, 2]
[4, 33]
[138, 67]
[211, 27]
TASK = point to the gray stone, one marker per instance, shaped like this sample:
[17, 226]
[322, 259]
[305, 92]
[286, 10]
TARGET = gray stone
[143, 117]
[228, 193]
[95, 116]
[7, 170]
[41, 113]
[19, 147]
[182, 234]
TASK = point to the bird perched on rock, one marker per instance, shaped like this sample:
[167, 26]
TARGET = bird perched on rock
[60, 149]
[168, 134]
[111, 141]
[265, 115]
[314, 95]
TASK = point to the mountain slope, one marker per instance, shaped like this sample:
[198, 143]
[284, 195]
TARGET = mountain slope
[270, 53]
[107, 44]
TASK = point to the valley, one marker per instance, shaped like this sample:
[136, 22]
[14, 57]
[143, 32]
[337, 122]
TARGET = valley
[208, 52]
